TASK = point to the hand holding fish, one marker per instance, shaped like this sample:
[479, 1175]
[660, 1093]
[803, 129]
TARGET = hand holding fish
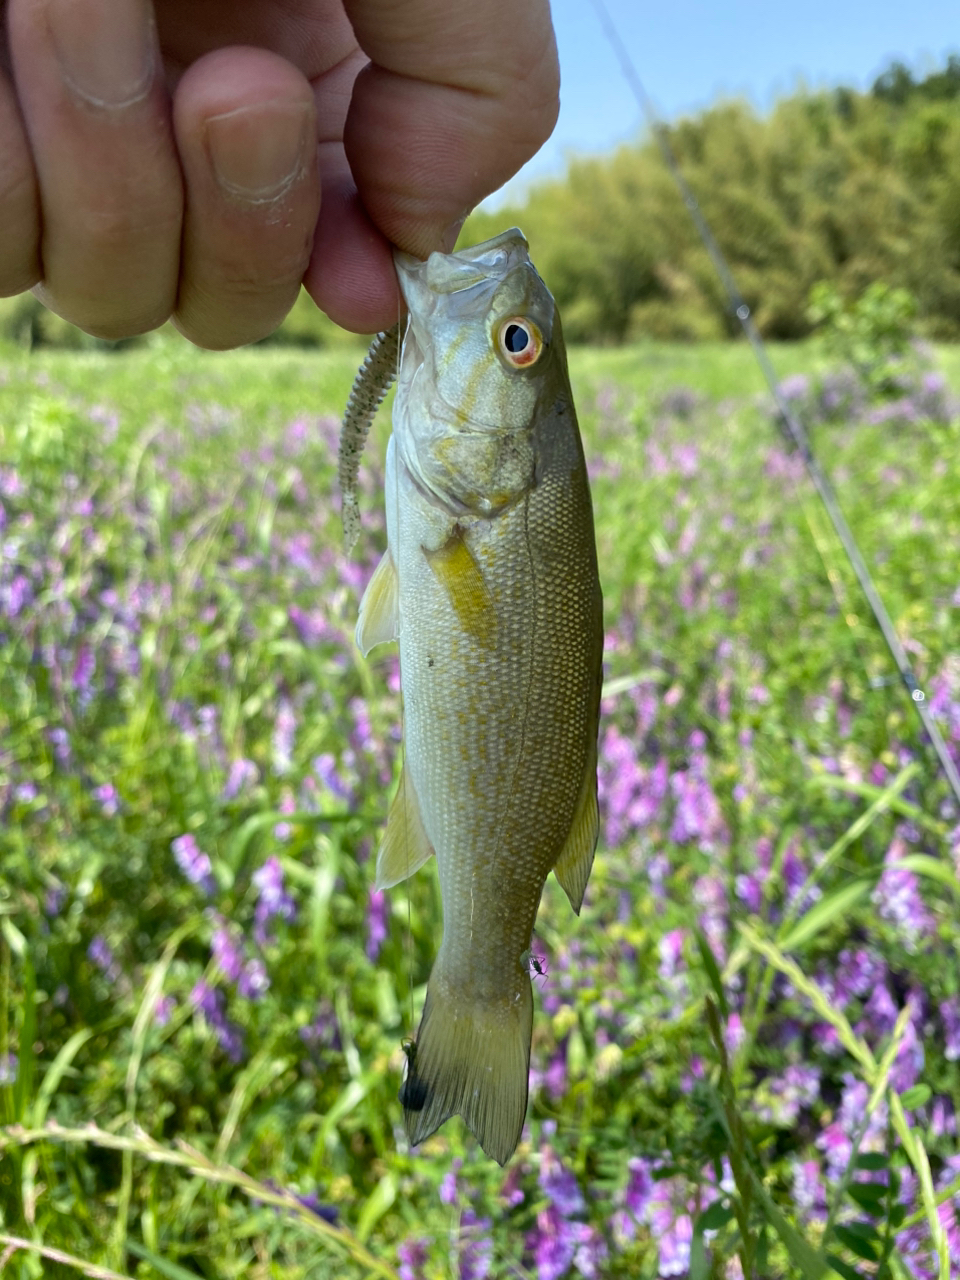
[490, 585]
[199, 160]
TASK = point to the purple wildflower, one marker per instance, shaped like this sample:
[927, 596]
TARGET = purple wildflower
[60, 740]
[323, 1031]
[9, 1068]
[448, 1184]
[697, 814]
[908, 1066]
[53, 903]
[253, 980]
[591, 1253]
[243, 773]
[193, 862]
[325, 767]
[796, 386]
[858, 974]
[898, 899]
[312, 1202]
[476, 1246]
[637, 1198]
[84, 668]
[273, 900]
[413, 1255]
[284, 732]
[377, 915]
[100, 953]
[512, 1192]
[555, 1076]
[212, 1004]
[163, 1009]
[559, 1184]
[226, 951]
[554, 1243]
[809, 1194]
[106, 796]
[674, 1234]
[780, 1099]
[950, 1013]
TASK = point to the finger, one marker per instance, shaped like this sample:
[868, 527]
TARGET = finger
[459, 94]
[19, 207]
[246, 130]
[89, 81]
[351, 275]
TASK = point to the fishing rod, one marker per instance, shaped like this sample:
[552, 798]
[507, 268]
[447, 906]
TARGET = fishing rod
[792, 428]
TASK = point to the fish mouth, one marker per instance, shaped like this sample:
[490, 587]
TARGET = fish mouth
[466, 279]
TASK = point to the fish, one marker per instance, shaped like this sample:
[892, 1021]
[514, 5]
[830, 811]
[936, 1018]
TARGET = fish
[490, 586]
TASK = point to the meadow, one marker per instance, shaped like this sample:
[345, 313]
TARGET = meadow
[746, 1051]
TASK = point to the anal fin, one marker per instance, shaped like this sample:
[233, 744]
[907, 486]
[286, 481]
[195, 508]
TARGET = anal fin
[379, 609]
[573, 866]
[405, 846]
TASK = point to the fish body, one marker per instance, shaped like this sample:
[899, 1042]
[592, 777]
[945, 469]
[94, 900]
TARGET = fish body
[490, 585]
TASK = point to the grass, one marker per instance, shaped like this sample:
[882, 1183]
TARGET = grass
[745, 1050]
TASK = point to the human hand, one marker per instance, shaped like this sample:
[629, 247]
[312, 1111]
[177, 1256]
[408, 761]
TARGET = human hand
[200, 158]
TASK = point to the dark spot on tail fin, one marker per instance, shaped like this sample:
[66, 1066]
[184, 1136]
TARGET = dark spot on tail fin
[414, 1091]
[471, 1058]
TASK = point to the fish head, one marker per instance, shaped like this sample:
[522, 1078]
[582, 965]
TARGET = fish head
[479, 358]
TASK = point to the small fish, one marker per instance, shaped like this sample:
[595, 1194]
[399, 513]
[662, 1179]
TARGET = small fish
[490, 585]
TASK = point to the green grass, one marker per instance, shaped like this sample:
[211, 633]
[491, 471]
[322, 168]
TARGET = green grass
[176, 658]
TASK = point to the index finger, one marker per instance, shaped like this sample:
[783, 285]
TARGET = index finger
[458, 96]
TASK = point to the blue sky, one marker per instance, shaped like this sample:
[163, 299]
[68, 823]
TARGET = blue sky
[690, 52]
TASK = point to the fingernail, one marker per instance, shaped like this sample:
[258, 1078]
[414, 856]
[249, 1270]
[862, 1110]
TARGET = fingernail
[106, 50]
[259, 152]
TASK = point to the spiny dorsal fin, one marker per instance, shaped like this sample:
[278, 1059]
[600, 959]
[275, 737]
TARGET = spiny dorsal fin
[405, 846]
[369, 387]
[379, 609]
[461, 578]
[573, 866]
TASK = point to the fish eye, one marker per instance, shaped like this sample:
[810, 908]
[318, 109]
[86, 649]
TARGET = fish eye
[520, 342]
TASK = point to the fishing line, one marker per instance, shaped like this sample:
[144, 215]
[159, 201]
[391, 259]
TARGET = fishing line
[409, 1048]
[790, 425]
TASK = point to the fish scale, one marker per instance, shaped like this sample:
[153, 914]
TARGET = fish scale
[490, 585]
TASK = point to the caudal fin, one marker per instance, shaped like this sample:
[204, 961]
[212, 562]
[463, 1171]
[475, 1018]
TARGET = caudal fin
[471, 1060]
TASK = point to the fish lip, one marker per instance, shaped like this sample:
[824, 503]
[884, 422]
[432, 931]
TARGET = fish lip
[466, 279]
[454, 272]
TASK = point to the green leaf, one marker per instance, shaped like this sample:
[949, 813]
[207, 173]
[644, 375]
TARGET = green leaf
[826, 911]
[713, 970]
[699, 1268]
[857, 1240]
[869, 1196]
[932, 868]
[872, 1160]
[377, 1204]
[172, 1270]
[714, 1217]
[918, 1096]
[843, 1268]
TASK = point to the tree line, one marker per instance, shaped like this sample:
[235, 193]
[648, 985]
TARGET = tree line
[838, 186]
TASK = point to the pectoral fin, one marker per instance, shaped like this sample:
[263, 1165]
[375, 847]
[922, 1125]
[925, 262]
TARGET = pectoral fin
[460, 576]
[377, 622]
[405, 846]
[573, 866]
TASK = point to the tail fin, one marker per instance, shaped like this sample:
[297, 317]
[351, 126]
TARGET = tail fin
[473, 1060]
